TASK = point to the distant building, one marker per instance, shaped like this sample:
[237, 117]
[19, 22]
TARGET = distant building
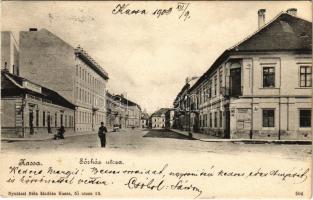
[31, 110]
[169, 118]
[261, 87]
[48, 60]
[9, 53]
[116, 111]
[182, 118]
[144, 120]
[158, 118]
[133, 116]
[122, 112]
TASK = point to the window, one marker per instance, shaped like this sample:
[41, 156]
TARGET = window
[268, 117]
[205, 116]
[221, 79]
[221, 119]
[305, 76]
[76, 93]
[305, 118]
[65, 121]
[43, 118]
[215, 119]
[215, 85]
[76, 70]
[56, 120]
[210, 89]
[61, 119]
[204, 93]
[268, 77]
[210, 119]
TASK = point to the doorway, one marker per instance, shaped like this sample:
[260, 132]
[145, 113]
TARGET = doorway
[49, 122]
[31, 122]
[227, 124]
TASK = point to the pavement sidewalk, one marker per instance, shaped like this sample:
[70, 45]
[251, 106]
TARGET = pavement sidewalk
[51, 136]
[210, 138]
[48, 137]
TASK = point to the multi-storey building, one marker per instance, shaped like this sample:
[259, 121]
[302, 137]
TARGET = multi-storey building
[116, 111]
[122, 112]
[133, 115]
[261, 87]
[9, 53]
[169, 118]
[182, 114]
[48, 60]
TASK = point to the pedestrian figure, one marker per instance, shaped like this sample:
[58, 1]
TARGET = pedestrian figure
[102, 134]
[60, 134]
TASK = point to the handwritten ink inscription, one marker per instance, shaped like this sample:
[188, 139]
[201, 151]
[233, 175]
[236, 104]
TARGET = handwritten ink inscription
[181, 9]
[102, 174]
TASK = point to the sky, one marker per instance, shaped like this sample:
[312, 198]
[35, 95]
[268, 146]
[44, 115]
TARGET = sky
[147, 57]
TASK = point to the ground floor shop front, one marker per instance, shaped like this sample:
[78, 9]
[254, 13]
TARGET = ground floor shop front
[281, 118]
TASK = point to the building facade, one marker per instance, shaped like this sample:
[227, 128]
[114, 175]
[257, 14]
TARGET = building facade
[169, 118]
[184, 117]
[133, 115]
[30, 110]
[261, 87]
[158, 119]
[144, 120]
[116, 111]
[48, 60]
[122, 112]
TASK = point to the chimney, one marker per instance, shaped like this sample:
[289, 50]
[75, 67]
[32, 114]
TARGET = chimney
[261, 17]
[187, 80]
[292, 11]
[32, 29]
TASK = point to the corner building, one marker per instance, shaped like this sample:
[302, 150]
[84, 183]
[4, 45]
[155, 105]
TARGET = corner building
[261, 87]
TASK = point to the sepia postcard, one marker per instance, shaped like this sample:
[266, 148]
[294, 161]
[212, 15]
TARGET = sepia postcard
[156, 99]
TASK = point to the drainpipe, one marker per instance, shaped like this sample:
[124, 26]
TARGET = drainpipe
[251, 131]
[279, 107]
[23, 124]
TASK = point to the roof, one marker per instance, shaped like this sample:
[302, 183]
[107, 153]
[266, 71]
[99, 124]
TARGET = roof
[12, 85]
[284, 33]
[82, 54]
[126, 101]
[191, 82]
[144, 116]
[160, 112]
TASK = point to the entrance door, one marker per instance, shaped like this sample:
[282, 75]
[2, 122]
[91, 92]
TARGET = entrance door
[31, 122]
[49, 122]
[235, 82]
[227, 124]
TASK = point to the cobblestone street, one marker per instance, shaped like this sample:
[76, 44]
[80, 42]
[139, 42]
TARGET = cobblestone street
[143, 141]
